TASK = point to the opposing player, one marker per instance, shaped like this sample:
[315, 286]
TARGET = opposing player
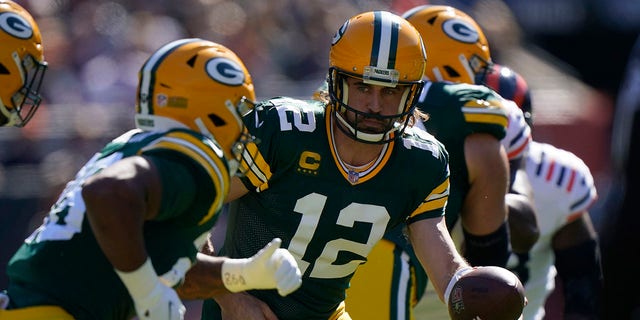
[22, 65]
[470, 120]
[563, 191]
[125, 231]
[330, 179]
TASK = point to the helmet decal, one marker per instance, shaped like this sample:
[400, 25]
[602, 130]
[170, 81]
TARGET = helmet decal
[15, 25]
[338, 35]
[385, 41]
[148, 70]
[196, 84]
[457, 48]
[225, 71]
[460, 30]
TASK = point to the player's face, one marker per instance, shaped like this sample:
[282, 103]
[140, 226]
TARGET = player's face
[374, 100]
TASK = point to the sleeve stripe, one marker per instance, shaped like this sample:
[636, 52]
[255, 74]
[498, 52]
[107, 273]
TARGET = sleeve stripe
[436, 200]
[483, 109]
[498, 119]
[518, 152]
[257, 169]
[203, 155]
[583, 202]
[440, 191]
[431, 205]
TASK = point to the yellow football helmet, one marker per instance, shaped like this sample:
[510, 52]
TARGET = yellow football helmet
[22, 65]
[200, 85]
[382, 49]
[457, 48]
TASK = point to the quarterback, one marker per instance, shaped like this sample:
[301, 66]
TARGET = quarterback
[330, 178]
[471, 121]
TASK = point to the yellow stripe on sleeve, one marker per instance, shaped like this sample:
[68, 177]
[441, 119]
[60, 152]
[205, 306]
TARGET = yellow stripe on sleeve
[486, 118]
[436, 200]
[485, 111]
[257, 169]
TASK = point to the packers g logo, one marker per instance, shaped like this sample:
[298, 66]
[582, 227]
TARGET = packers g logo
[225, 71]
[460, 30]
[15, 25]
[338, 35]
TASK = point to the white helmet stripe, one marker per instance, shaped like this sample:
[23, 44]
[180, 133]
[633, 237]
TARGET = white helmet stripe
[385, 42]
[148, 70]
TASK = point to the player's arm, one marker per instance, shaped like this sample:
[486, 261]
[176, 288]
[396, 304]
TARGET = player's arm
[118, 201]
[523, 220]
[484, 211]
[578, 263]
[236, 190]
[437, 252]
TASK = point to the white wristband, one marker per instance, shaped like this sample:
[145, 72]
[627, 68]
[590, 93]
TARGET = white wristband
[139, 282]
[456, 276]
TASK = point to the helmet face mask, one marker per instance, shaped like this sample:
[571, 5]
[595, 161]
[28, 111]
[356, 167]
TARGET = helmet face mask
[381, 49]
[199, 85]
[22, 65]
[350, 119]
[456, 46]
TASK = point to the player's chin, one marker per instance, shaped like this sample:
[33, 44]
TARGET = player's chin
[373, 127]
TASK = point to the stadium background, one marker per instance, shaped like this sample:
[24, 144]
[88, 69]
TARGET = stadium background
[571, 52]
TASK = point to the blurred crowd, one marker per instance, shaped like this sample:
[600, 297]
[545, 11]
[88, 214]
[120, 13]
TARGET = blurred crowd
[572, 53]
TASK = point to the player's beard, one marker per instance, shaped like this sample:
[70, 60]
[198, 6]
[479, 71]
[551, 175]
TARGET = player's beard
[368, 124]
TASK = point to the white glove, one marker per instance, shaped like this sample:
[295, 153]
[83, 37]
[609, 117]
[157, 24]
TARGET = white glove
[270, 268]
[152, 299]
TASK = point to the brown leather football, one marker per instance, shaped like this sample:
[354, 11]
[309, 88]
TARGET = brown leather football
[487, 293]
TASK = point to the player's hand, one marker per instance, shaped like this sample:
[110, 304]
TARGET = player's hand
[162, 303]
[271, 268]
[152, 299]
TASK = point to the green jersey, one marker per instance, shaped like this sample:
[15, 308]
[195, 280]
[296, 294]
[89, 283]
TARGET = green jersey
[455, 111]
[61, 262]
[327, 215]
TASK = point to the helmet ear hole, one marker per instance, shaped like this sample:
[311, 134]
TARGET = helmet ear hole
[3, 69]
[451, 72]
[217, 121]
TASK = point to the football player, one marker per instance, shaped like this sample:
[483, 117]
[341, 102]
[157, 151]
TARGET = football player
[124, 232]
[563, 191]
[330, 178]
[470, 120]
[22, 65]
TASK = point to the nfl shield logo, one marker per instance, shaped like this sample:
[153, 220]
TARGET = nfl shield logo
[353, 176]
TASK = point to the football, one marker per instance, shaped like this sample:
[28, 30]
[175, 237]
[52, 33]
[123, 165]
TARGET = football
[487, 293]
